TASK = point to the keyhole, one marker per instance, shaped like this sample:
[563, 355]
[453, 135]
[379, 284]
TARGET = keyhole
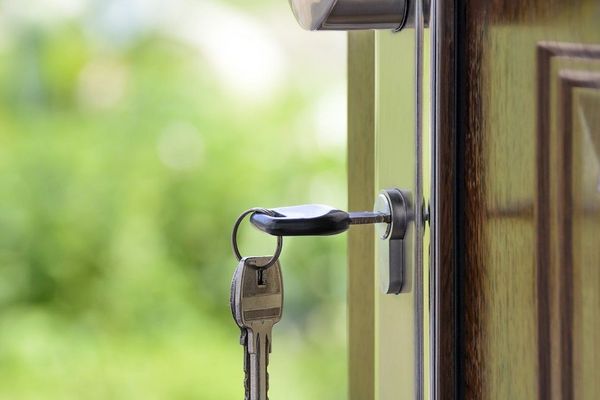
[260, 277]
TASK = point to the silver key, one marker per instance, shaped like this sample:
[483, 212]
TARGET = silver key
[257, 304]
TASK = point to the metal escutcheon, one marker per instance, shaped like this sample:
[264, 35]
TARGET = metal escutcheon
[391, 238]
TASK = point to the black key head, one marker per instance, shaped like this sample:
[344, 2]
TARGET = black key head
[305, 220]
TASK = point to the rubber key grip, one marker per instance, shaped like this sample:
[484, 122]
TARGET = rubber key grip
[305, 220]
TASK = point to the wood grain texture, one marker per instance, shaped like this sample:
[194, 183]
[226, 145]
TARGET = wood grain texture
[361, 184]
[500, 269]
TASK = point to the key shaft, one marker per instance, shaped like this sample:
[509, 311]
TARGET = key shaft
[259, 361]
[369, 217]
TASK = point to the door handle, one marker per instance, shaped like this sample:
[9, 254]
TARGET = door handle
[345, 15]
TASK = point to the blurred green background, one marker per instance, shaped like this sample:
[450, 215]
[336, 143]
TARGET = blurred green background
[132, 134]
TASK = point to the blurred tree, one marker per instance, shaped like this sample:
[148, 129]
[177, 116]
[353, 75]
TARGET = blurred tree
[123, 164]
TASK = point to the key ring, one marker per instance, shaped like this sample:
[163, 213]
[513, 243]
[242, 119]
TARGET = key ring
[234, 244]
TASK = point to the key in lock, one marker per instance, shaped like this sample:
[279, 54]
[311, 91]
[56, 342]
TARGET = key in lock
[393, 212]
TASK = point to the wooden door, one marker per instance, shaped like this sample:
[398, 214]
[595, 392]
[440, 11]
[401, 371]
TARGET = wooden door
[512, 288]
[527, 199]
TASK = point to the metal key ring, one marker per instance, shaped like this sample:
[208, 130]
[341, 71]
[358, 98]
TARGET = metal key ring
[234, 244]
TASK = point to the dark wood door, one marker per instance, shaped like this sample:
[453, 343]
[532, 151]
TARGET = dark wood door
[526, 195]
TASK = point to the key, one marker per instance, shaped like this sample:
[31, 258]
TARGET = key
[257, 305]
[313, 220]
[243, 333]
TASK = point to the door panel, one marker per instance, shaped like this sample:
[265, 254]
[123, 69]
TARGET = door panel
[527, 216]
[581, 126]
[565, 130]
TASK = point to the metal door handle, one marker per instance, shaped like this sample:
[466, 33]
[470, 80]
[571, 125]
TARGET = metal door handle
[344, 15]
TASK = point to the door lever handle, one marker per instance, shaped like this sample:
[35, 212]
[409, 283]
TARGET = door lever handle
[347, 15]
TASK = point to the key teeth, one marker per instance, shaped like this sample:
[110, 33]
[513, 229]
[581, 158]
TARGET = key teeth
[243, 337]
[244, 342]
[268, 351]
[269, 345]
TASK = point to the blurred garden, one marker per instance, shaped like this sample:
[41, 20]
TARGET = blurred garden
[132, 135]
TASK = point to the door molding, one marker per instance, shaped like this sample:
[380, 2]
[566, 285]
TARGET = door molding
[361, 196]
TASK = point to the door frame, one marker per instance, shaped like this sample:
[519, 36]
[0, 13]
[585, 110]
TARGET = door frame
[444, 286]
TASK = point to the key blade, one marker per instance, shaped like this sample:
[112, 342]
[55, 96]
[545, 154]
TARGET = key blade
[369, 217]
[244, 342]
[259, 361]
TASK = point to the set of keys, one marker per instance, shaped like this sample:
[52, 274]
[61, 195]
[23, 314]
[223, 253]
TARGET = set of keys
[256, 296]
[256, 300]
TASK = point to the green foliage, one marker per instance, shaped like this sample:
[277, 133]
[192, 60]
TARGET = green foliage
[122, 169]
